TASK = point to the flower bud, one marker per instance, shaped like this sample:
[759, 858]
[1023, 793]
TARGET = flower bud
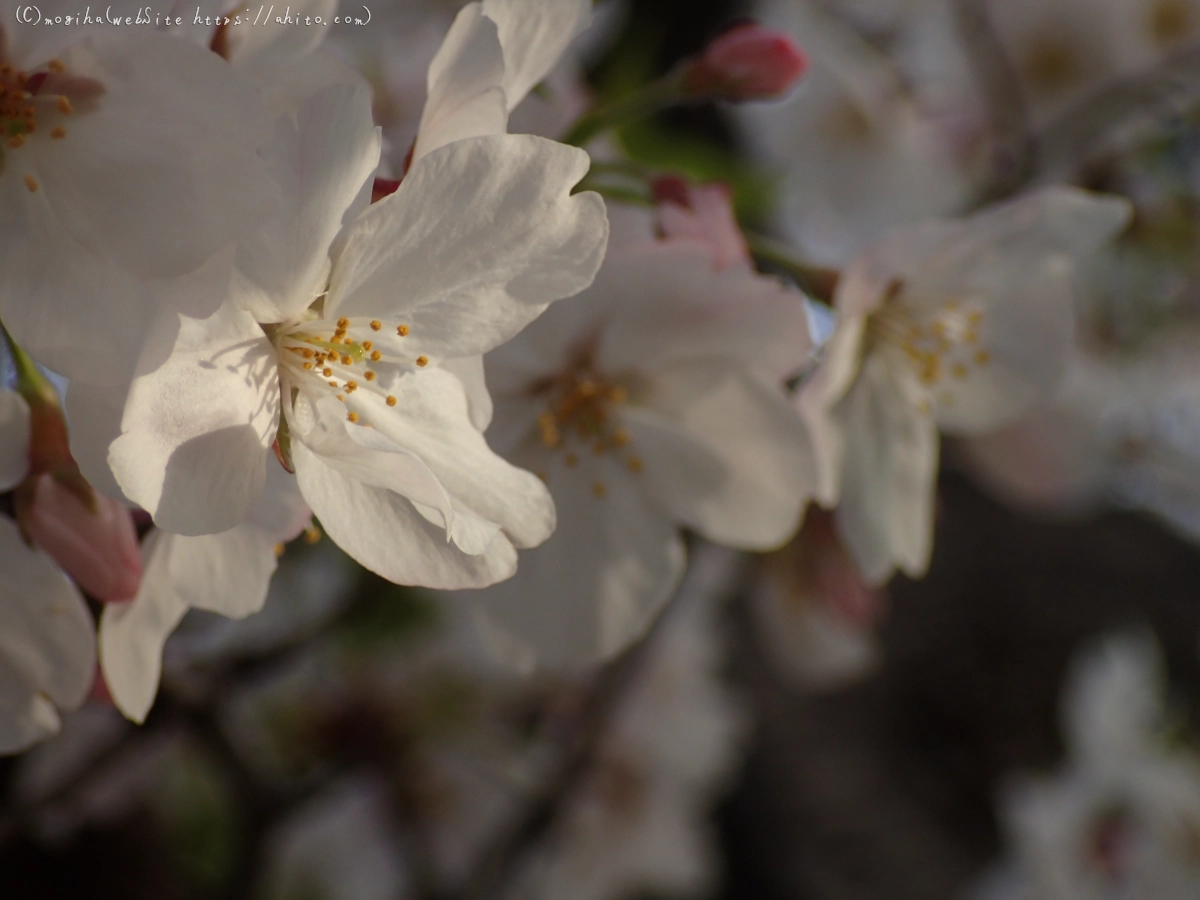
[748, 62]
[97, 548]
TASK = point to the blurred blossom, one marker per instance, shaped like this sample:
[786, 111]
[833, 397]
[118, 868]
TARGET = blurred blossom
[814, 615]
[637, 821]
[47, 643]
[653, 400]
[1121, 819]
[862, 146]
[955, 326]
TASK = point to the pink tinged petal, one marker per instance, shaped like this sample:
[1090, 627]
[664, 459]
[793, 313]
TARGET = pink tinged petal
[98, 549]
[197, 431]
[321, 157]
[132, 634]
[701, 213]
[14, 439]
[597, 584]
[533, 35]
[386, 534]
[889, 473]
[469, 283]
[465, 94]
[47, 643]
[431, 420]
[165, 171]
[723, 454]
[666, 304]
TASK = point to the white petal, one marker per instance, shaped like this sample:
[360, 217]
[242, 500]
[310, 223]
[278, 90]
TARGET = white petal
[534, 34]
[132, 634]
[47, 642]
[597, 584]
[669, 304]
[431, 420]
[14, 439]
[757, 473]
[888, 486]
[465, 94]
[76, 311]
[94, 415]
[270, 44]
[320, 158]
[387, 535]
[469, 370]
[480, 236]
[165, 172]
[197, 430]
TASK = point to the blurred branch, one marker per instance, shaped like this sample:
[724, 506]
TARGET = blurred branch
[1014, 150]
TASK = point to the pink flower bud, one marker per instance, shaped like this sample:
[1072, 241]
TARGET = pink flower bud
[98, 549]
[747, 62]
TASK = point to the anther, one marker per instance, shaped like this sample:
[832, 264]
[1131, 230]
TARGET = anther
[391, 401]
[402, 330]
[346, 359]
[370, 376]
[376, 324]
[58, 133]
[64, 106]
[31, 183]
[352, 417]
[343, 324]
[635, 464]
[56, 66]
[599, 489]
[376, 356]
[422, 361]
[367, 345]
[351, 387]
[327, 371]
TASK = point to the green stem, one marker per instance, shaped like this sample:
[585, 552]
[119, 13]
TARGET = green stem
[653, 97]
[816, 281]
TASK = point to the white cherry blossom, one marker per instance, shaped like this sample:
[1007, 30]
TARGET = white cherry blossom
[652, 401]
[957, 325]
[350, 352]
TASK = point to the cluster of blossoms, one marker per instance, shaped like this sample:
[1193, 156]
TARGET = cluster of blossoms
[291, 312]
[400, 288]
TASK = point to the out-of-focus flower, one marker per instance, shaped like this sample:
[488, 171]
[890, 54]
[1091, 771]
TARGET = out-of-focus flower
[958, 325]
[701, 213]
[862, 146]
[637, 819]
[748, 62]
[1121, 820]
[129, 162]
[652, 401]
[815, 615]
[47, 644]
[227, 573]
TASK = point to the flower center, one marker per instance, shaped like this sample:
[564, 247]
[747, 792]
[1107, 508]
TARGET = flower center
[1170, 22]
[320, 357]
[1052, 64]
[946, 342]
[38, 103]
[580, 417]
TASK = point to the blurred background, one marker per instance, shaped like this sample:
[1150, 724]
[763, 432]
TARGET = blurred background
[784, 732]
